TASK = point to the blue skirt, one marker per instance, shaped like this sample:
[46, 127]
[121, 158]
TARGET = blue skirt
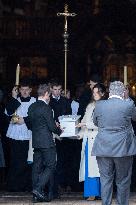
[91, 185]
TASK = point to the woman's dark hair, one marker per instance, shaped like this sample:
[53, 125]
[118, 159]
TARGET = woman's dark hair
[101, 89]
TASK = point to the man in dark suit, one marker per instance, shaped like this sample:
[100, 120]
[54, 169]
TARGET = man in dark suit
[61, 106]
[115, 143]
[42, 125]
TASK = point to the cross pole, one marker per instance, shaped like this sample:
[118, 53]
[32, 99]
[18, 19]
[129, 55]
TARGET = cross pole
[66, 14]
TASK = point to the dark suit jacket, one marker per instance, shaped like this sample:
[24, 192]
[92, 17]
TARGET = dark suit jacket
[42, 125]
[60, 107]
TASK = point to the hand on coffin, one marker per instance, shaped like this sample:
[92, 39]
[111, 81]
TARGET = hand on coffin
[81, 124]
[57, 124]
[62, 129]
[79, 137]
[57, 137]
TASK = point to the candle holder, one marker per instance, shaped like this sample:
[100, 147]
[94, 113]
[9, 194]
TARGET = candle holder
[15, 118]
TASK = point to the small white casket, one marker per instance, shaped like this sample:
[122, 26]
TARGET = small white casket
[68, 123]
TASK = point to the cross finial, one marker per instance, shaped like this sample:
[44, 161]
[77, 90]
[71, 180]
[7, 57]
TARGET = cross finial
[66, 8]
[66, 14]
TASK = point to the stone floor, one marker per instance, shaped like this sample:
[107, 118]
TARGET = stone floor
[66, 199]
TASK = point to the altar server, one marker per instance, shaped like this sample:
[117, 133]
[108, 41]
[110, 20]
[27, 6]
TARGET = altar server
[19, 136]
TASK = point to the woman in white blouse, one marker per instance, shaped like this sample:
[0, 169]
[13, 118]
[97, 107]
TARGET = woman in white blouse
[89, 172]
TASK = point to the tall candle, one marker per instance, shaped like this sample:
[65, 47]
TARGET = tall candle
[17, 74]
[125, 75]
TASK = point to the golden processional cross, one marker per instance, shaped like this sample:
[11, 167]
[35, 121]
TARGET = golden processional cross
[66, 14]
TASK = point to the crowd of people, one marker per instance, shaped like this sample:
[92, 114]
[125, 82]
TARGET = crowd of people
[38, 160]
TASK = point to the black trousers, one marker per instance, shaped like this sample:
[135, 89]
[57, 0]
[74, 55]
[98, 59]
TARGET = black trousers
[68, 161]
[19, 174]
[44, 164]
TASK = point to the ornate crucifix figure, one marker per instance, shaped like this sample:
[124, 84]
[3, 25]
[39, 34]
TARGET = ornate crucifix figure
[66, 14]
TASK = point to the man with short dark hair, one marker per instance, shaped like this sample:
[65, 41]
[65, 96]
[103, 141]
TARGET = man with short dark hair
[42, 125]
[61, 106]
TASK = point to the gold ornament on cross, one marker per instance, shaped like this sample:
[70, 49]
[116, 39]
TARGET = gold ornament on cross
[66, 14]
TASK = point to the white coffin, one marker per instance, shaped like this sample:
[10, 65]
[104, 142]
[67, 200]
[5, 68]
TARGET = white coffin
[68, 124]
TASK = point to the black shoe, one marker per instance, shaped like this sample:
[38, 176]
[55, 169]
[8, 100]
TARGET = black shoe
[39, 197]
[37, 200]
[38, 194]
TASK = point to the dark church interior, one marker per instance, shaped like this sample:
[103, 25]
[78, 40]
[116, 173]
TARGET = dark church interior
[102, 39]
